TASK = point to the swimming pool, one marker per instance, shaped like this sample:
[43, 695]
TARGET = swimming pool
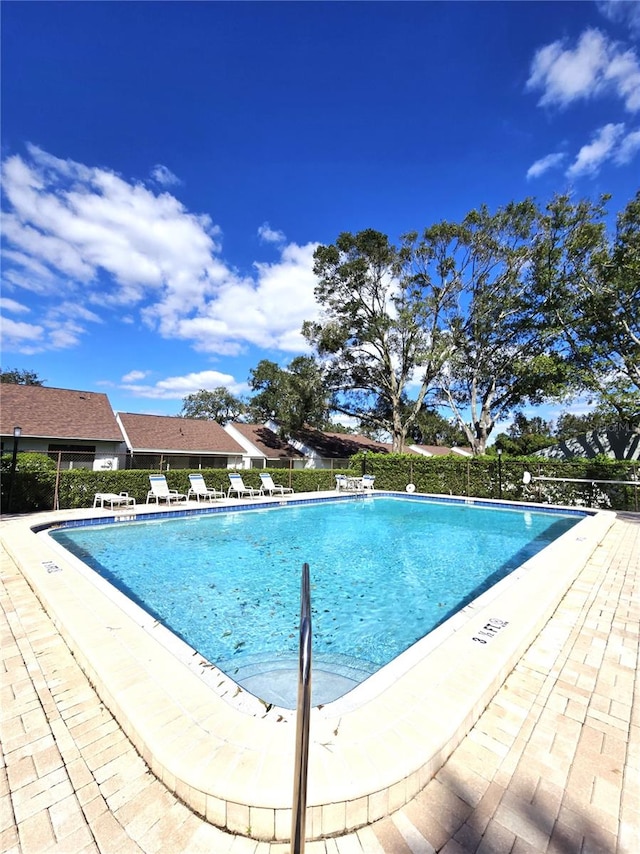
[385, 572]
[227, 755]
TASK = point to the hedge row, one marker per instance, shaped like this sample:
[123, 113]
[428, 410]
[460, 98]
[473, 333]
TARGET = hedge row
[36, 480]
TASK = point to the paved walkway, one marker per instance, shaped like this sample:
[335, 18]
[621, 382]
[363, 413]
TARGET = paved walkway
[553, 764]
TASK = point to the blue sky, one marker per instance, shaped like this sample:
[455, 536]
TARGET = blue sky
[169, 168]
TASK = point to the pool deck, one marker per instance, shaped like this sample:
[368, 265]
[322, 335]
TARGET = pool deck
[551, 764]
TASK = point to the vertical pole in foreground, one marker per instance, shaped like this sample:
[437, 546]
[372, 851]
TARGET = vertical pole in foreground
[299, 811]
[17, 432]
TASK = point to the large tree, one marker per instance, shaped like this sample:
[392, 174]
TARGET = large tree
[525, 435]
[215, 405]
[502, 356]
[569, 424]
[294, 397]
[590, 287]
[382, 326]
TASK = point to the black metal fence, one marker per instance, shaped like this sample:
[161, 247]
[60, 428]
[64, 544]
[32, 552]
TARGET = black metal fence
[33, 481]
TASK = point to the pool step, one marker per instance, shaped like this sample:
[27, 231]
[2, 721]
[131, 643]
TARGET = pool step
[275, 680]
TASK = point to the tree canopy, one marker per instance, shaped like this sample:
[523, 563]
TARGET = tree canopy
[381, 328]
[501, 356]
[294, 397]
[20, 376]
[515, 307]
[216, 405]
[590, 291]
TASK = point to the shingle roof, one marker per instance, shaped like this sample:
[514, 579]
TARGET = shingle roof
[433, 450]
[267, 442]
[57, 413]
[340, 445]
[168, 433]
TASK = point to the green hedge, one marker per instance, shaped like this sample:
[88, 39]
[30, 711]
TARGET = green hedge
[482, 477]
[78, 486]
[31, 487]
[491, 477]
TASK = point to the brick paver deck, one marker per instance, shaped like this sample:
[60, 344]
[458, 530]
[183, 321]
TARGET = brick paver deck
[553, 764]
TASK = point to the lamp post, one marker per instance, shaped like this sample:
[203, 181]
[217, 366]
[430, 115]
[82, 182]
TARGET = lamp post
[364, 463]
[499, 472]
[17, 432]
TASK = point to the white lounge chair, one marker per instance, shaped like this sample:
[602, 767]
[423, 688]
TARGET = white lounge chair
[351, 484]
[160, 490]
[237, 486]
[269, 486]
[199, 489]
[113, 499]
[367, 481]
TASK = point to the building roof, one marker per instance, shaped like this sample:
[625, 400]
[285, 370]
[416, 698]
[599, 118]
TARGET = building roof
[57, 413]
[430, 450]
[439, 450]
[172, 434]
[339, 445]
[615, 444]
[266, 441]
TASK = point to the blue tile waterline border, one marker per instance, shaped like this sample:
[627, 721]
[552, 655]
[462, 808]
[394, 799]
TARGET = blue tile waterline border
[132, 517]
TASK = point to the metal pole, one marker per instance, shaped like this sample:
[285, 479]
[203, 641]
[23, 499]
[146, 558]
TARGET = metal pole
[56, 491]
[299, 811]
[17, 432]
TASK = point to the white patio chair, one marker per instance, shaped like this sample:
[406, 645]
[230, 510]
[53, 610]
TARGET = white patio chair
[113, 499]
[199, 489]
[237, 486]
[341, 481]
[160, 490]
[269, 486]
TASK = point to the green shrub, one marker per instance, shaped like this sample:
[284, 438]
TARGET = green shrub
[481, 477]
[31, 486]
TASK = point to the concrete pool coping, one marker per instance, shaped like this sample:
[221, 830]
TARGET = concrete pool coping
[234, 766]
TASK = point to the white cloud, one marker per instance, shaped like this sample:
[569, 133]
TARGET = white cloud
[270, 235]
[75, 311]
[622, 12]
[27, 338]
[86, 236]
[134, 376]
[39, 279]
[596, 66]
[60, 327]
[11, 305]
[164, 176]
[624, 73]
[98, 223]
[594, 154]
[63, 334]
[266, 310]
[628, 148]
[544, 164]
[176, 388]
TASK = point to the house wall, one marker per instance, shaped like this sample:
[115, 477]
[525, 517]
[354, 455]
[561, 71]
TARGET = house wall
[98, 456]
[253, 458]
[313, 460]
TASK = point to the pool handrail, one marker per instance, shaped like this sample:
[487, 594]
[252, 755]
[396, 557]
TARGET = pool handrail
[299, 809]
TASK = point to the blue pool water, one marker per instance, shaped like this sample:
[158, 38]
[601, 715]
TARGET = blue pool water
[384, 572]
